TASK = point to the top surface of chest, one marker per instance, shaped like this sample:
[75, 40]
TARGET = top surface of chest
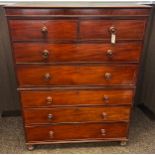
[77, 8]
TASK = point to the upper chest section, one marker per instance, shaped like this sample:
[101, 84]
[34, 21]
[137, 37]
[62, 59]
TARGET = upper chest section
[71, 23]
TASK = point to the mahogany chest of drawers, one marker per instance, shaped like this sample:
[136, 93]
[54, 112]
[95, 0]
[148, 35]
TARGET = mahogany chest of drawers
[76, 69]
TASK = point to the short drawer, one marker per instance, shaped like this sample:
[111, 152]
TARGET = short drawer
[34, 75]
[43, 30]
[75, 97]
[100, 29]
[85, 52]
[76, 114]
[77, 132]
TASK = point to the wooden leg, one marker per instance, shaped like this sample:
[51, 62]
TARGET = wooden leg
[123, 143]
[30, 147]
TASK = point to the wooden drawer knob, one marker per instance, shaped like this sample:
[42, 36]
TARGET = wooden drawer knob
[103, 132]
[51, 133]
[106, 98]
[49, 99]
[107, 76]
[47, 76]
[50, 116]
[45, 54]
[112, 29]
[44, 30]
[104, 115]
[109, 53]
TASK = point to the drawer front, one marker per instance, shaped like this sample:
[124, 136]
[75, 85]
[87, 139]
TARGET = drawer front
[43, 30]
[100, 29]
[76, 75]
[45, 52]
[76, 114]
[76, 97]
[75, 132]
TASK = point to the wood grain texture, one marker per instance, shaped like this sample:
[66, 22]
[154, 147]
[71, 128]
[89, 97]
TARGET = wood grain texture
[31, 30]
[75, 114]
[84, 52]
[75, 132]
[118, 11]
[99, 29]
[75, 75]
[76, 97]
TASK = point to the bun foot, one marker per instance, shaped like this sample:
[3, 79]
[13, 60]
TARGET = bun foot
[30, 147]
[123, 143]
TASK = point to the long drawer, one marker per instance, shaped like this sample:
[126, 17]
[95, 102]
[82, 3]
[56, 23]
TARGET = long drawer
[76, 97]
[43, 30]
[76, 114]
[85, 52]
[44, 75]
[76, 132]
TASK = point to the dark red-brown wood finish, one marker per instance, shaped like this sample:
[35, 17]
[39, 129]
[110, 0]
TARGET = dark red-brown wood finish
[62, 75]
[71, 114]
[76, 97]
[89, 131]
[76, 53]
[75, 11]
[76, 69]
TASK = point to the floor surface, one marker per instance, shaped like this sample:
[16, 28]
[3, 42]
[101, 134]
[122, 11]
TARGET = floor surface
[141, 139]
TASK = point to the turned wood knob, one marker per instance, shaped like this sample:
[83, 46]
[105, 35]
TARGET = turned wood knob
[112, 29]
[49, 99]
[47, 76]
[107, 76]
[106, 98]
[45, 54]
[44, 30]
[103, 132]
[50, 116]
[109, 53]
[51, 133]
[104, 114]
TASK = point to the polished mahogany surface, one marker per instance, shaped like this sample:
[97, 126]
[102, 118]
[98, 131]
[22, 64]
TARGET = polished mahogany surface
[76, 75]
[32, 30]
[76, 53]
[74, 97]
[99, 29]
[77, 132]
[71, 114]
